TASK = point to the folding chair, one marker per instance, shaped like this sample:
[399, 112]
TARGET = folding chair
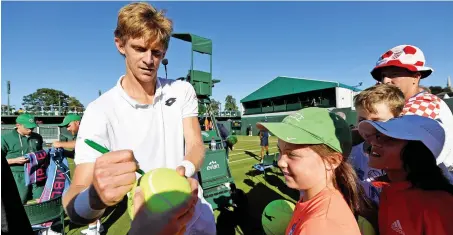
[52, 209]
[268, 162]
[45, 211]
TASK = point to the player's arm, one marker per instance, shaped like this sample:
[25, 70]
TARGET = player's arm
[82, 179]
[192, 132]
[94, 125]
[98, 185]
[194, 143]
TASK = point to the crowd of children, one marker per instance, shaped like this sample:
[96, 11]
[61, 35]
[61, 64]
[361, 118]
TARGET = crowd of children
[395, 181]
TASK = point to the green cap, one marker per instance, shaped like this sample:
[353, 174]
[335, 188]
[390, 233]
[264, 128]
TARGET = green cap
[27, 120]
[70, 118]
[313, 126]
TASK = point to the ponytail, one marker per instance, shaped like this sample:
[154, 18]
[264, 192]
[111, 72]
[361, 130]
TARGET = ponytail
[347, 183]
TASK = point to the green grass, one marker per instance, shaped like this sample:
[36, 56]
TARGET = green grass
[260, 190]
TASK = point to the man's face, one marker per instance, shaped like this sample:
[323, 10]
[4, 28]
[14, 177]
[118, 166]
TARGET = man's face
[400, 77]
[383, 113]
[142, 59]
[22, 130]
[73, 127]
[384, 151]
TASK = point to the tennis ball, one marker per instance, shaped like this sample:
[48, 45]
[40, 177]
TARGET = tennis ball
[276, 216]
[163, 189]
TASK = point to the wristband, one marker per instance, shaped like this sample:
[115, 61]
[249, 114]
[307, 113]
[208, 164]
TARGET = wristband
[82, 206]
[190, 168]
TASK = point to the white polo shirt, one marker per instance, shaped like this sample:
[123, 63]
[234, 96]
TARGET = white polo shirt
[154, 132]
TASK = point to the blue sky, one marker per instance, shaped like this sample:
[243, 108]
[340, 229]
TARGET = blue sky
[69, 45]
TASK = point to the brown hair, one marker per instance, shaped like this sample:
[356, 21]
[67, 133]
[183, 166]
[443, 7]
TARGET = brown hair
[138, 20]
[381, 93]
[345, 180]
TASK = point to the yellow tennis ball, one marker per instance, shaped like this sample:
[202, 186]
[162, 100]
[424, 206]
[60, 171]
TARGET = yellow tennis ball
[276, 216]
[163, 189]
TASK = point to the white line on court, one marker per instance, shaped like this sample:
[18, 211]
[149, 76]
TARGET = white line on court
[255, 150]
[258, 140]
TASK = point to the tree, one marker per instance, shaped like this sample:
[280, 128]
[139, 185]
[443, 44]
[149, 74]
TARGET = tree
[74, 104]
[435, 89]
[49, 98]
[230, 104]
[215, 105]
[438, 89]
[201, 109]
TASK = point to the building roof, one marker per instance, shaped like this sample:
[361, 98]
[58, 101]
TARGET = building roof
[282, 86]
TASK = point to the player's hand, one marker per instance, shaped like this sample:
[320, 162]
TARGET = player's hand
[181, 171]
[113, 177]
[171, 222]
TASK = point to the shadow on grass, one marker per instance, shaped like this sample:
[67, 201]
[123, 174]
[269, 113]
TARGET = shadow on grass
[248, 218]
[115, 219]
[252, 155]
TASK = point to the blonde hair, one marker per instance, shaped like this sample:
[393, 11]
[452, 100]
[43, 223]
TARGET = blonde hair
[381, 93]
[137, 20]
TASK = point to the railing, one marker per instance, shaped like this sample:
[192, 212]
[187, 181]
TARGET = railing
[268, 109]
[253, 111]
[280, 108]
[44, 111]
[293, 106]
[275, 108]
[48, 133]
[225, 114]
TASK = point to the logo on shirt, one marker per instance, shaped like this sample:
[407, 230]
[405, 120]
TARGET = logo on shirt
[374, 174]
[297, 117]
[170, 101]
[293, 228]
[396, 226]
[269, 217]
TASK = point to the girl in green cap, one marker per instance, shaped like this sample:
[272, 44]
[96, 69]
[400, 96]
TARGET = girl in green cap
[314, 145]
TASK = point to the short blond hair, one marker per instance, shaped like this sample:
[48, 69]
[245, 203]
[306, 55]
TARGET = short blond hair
[381, 93]
[137, 20]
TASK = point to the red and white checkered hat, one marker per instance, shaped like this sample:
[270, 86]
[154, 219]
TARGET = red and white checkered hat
[403, 56]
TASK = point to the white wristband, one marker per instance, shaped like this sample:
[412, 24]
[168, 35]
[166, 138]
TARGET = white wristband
[190, 168]
[82, 206]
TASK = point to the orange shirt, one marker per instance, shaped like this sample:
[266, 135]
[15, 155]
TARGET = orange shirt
[326, 213]
[407, 211]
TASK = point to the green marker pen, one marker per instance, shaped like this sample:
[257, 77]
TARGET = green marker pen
[104, 150]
